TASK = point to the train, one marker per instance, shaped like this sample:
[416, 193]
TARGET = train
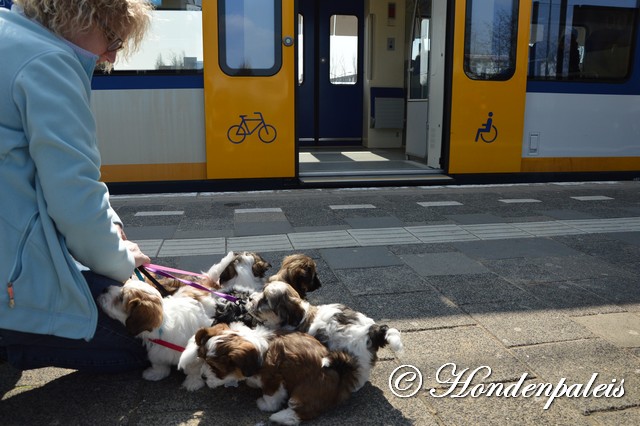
[266, 94]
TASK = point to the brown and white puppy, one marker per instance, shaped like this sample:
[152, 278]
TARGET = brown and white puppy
[299, 271]
[145, 314]
[337, 326]
[290, 367]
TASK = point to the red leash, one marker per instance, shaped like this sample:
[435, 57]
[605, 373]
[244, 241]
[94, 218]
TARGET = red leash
[167, 344]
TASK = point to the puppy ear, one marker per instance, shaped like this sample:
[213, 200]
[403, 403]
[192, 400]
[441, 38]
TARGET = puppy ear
[288, 308]
[144, 315]
[260, 266]
[247, 359]
[201, 336]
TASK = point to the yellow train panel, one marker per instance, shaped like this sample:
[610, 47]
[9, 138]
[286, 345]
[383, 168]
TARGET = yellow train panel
[249, 122]
[495, 106]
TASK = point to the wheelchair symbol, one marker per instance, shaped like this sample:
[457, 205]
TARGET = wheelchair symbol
[248, 126]
[489, 129]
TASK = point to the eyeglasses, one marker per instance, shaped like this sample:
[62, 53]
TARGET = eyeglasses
[115, 43]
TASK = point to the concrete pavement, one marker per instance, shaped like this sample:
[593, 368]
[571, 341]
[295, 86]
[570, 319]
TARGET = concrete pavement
[511, 290]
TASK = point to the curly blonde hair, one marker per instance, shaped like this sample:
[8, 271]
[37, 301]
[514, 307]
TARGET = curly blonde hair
[128, 19]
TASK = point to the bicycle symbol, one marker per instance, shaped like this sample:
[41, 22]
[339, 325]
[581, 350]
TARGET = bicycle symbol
[238, 132]
[489, 128]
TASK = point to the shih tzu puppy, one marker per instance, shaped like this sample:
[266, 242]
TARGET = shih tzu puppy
[242, 274]
[164, 324]
[290, 367]
[338, 327]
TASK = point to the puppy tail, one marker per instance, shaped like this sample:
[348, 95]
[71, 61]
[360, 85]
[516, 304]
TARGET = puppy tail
[381, 336]
[347, 368]
[216, 270]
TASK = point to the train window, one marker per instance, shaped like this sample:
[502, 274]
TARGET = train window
[249, 37]
[343, 48]
[174, 41]
[582, 40]
[419, 67]
[490, 39]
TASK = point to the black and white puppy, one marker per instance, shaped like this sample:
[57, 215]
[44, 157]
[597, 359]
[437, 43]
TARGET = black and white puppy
[337, 326]
[290, 367]
[242, 274]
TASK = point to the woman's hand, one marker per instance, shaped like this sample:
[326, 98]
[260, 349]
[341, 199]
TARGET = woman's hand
[139, 256]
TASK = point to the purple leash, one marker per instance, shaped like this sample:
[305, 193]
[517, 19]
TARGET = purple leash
[161, 270]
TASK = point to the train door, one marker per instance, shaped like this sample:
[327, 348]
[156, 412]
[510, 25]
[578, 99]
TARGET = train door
[426, 82]
[488, 85]
[330, 84]
[249, 88]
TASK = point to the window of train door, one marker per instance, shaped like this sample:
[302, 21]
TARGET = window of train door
[418, 80]
[249, 78]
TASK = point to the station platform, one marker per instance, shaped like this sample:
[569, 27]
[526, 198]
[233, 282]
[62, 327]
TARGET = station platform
[510, 288]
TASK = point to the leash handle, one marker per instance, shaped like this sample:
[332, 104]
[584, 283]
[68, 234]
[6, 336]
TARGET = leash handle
[163, 291]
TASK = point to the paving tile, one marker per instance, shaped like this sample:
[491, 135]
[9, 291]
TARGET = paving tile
[627, 237]
[359, 257]
[259, 216]
[149, 247]
[500, 410]
[441, 233]
[592, 198]
[326, 239]
[466, 347]
[243, 229]
[518, 200]
[621, 329]
[374, 222]
[474, 219]
[452, 263]
[382, 236]
[259, 243]
[351, 206]
[622, 289]
[477, 288]
[496, 231]
[135, 233]
[519, 323]
[571, 299]
[506, 249]
[192, 247]
[546, 269]
[422, 310]
[47, 400]
[381, 280]
[577, 361]
[627, 417]
[439, 203]
[547, 228]
[567, 214]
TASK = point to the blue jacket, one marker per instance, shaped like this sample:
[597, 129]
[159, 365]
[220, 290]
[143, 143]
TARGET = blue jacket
[53, 207]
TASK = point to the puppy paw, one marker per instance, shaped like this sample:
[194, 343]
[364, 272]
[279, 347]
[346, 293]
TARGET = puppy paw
[268, 403]
[285, 417]
[156, 372]
[193, 383]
